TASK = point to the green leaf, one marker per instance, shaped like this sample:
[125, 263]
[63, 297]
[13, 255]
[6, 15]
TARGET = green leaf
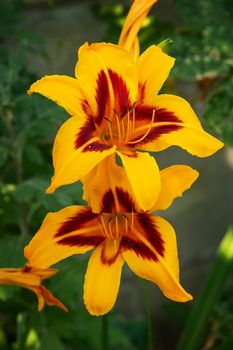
[25, 191]
[194, 331]
[227, 344]
[4, 152]
[219, 110]
[166, 45]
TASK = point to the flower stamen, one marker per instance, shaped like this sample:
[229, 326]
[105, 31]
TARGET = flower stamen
[133, 121]
[132, 219]
[104, 226]
[128, 126]
[118, 127]
[123, 129]
[117, 227]
[146, 133]
[110, 228]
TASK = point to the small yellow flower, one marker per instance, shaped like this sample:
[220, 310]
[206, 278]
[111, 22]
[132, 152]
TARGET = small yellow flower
[31, 278]
[120, 232]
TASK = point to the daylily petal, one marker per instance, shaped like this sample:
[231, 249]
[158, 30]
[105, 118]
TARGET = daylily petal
[132, 24]
[102, 279]
[174, 181]
[72, 230]
[168, 108]
[45, 296]
[164, 270]
[18, 277]
[143, 174]
[63, 90]
[76, 151]
[108, 79]
[175, 124]
[153, 69]
[31, 278]
[111, 195]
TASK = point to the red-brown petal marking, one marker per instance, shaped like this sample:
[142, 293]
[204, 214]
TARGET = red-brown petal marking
[138, 247]
[141, 91]
[121, 94]
[96, 147]
[125, 200]
[151, 232]
[108, 202]
[156, 132]
[76, 222]
[81, 241]
[108, 260]
[85, 133]
[145, 112]
[102, 96]
[86, 107]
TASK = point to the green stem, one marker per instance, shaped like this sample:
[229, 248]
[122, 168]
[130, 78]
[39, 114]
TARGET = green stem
[147, 304]
[105, 332]
[196, 325]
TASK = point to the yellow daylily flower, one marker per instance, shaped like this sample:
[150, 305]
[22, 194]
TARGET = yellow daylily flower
[116, 109]
[137, 13]
[31, 278]
[120, 233]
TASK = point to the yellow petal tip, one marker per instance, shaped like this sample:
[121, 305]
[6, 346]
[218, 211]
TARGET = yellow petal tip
[189, 297]
[221, 144]
[183, 298]
[50, 189]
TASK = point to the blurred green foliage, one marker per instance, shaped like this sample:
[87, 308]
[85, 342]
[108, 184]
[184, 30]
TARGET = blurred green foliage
[210, 309]
[203, 47]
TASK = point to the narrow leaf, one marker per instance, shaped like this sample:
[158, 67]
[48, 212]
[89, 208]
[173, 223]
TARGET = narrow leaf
[220, 272]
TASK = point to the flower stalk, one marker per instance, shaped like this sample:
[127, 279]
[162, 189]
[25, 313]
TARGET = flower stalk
[105, 332]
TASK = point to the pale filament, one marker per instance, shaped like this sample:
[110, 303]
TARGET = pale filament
[132, 219]
[126, 226]
[104, 226]
[122, 130]
[147, 132]
[111, 235]
[133, 121]
[128, 126]
[115, 225]
[118, 122]
[110, 131]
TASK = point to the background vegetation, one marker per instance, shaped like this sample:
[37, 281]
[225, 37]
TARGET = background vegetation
[203, 46]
